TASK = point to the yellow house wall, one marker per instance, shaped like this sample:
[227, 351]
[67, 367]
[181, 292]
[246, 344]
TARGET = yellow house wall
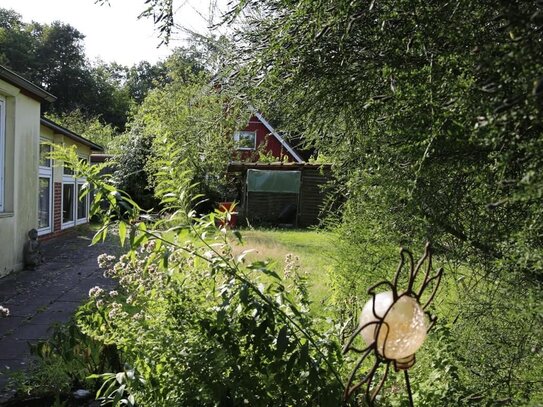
[21, 176]
[82, 150]
[46, 133]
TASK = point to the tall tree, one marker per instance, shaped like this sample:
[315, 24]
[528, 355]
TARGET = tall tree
[60, 63]
[143, 77]
[109, 97]
[16, 43]
[53, 56]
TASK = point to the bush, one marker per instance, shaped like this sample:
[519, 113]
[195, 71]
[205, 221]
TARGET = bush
[195, 324]
[202, 328]
[65, 362]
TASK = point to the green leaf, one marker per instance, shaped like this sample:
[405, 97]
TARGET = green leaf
[165, 258]
[282, 341]
[241, 257]
[237, 234]
[100, 234]
[122, 232]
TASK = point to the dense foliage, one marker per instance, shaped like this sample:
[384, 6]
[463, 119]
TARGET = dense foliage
[431, 113]
[194, 323]
[91, 128]
[198, 122]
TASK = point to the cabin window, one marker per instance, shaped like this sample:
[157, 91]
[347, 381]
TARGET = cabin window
[2, 151]
[245, 140]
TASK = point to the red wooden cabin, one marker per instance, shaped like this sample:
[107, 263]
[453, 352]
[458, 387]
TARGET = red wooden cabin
[259, 135]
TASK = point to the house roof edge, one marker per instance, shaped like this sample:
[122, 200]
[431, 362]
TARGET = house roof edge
[22, 83]
[285, 144]
[68, 133]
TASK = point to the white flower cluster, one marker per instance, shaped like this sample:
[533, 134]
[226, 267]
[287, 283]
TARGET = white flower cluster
[105, 261]
[117, 269]
[150, 246]
[292, 265]
[139, 275]
[4, 312]
[116, 311]
[95, 292]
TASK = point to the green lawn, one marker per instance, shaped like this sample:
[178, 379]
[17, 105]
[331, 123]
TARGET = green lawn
[315, 249]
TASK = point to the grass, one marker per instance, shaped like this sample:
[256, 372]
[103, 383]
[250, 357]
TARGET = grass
[313, 248]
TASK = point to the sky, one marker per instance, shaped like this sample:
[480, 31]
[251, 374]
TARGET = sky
[113, 33]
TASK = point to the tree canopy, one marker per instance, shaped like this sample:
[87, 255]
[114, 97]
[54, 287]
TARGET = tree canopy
[53, 56]
[431, 114]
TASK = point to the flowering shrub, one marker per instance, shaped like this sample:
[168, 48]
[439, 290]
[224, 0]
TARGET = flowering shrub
[196, 324]
[203, 328]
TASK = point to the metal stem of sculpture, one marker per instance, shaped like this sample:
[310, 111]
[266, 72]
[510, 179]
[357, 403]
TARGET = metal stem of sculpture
[393, 324]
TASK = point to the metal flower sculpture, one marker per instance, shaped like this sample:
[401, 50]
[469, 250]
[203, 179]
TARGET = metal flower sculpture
[394, 324]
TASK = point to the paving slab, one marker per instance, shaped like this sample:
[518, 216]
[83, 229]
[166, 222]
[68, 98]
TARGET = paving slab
[31, 332]
[50, 294]
[8, 325]
[22, 309]
[74, 295]
[13, 349]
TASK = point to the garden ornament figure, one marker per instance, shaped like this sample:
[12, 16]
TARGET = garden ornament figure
[394, 324]
[32, 255]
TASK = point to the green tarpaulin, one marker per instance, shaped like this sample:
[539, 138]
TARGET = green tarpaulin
[273, 181]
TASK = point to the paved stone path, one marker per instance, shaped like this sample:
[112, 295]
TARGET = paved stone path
[49, 294]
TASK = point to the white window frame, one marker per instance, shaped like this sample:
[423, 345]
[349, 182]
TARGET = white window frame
[46, 172]
[81, 182]
[67, 180]
[78, 220]
[2, 153]
[76, 182]
[237, 135]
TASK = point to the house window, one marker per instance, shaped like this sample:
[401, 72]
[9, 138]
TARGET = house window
[68, 204]
[45, 184]
[74, 209]
[245, 140]
[44, 205]
[81, 204]
[2, 151]
[67, 171]
[45, 150]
